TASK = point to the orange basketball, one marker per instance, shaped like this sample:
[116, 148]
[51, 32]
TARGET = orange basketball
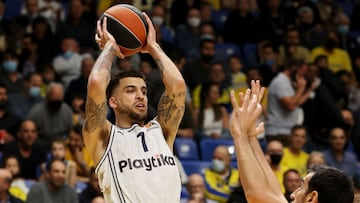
[128, 26]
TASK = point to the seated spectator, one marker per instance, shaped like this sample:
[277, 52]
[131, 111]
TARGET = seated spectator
[10, 75]
[316, 158]
[220, 178]
[195, 186]
[53, 188]
[211, 119]
[292, 181]
[58, 147]
[5, 195]
[337, 156]
[32, 93]
[77, 152]
[9, 122]
[53, 117]
[18, 188]
[294, 157]
[338, 58]
[238, 77]
[30, 153]
[92, 190]
[274, 153]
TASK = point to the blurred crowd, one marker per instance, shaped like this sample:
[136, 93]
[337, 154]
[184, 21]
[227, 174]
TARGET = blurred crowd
[305, 52]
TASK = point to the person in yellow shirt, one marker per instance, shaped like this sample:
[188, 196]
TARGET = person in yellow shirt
[220, 178]
[338, 58]
[294, 157]
[77, 152]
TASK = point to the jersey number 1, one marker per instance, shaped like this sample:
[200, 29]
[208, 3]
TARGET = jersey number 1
[142, 135]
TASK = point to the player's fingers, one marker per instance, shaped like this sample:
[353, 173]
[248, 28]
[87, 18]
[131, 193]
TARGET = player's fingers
[246, 101]
[104, 28]
[99, 31]
[233, 100]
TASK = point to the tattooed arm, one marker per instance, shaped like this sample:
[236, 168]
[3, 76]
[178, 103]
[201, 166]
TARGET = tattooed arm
[172, 103]
[96, 127]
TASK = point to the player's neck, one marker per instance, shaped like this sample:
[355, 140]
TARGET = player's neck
[127, 123]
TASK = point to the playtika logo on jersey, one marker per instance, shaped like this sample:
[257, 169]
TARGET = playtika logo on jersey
[147, 164]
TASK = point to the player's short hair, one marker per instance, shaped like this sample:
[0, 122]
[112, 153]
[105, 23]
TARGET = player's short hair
[115, 79]
[332, 185]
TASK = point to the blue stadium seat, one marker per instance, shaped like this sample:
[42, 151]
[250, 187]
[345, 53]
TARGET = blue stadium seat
[219, 18]
[80, 186]
[207, 147]
[249, 54]
[224, 50]
[184, 192]
[186, 149]
[193, 166]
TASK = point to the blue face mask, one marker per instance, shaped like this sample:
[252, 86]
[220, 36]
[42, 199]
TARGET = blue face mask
[218, 165]
[10, 66]
[34, 92]
[269, 62]
[68, 54]
[343, 29]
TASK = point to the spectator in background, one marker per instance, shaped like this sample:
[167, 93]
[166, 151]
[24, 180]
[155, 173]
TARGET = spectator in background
[18, 187]
[239, 27]
[328, 10]
[31, 154]
[220, 178]
[53, 188]
[187, 35]
[292, 48]
[5, 31]
[78, 85]
[311, 31]
[179, 10]
[53, 11]
[338, 58]
[194, 186]
[351, 90]
[238, 77]
[158, 17]
[292, 181]
[5, 182]
[77, 27]
[9, 72]
[274, 153]
[352, 130]
[77, 152]
[293, 156]
[316, 158]
[32, 93]
[53, 117]
[29, 12]
[92, 190]
[28, 58]
[196, 72]
[58, 147]
[346, 41]
[211, 118]
[337, 156]
[68, 63]
[269, 66]
[287, 92]
[9, 122]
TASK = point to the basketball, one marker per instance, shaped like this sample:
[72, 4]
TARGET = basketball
[128, 26]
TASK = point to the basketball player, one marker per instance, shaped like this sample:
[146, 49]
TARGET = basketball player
[325, 185]
[134, 160]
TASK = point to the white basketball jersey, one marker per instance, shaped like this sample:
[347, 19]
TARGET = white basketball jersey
[138, 167]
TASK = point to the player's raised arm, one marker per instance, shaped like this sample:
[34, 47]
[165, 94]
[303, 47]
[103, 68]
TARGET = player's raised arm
[96, 127]
[172, 103]
[251, 161]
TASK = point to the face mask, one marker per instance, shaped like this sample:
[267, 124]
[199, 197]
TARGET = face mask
[218, 165]
[157, 20]
[330, 44]
[68, 54]
[269, 62]
[343, 29]
[34, 92]
[10, 66]
[54, 105]
[194, 21]
[275, 158]
[207, 58]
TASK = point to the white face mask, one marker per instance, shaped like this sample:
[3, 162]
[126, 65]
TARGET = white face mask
[218, 165]
[157, 20]
[194, 21]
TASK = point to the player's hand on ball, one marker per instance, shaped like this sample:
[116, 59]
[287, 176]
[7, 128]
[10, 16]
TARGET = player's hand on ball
[103, 37]
[151, 36]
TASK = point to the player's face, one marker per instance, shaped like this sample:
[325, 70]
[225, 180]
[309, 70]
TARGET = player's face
[131, 99]
[301, 194]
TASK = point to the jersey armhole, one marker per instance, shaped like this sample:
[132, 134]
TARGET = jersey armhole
[111, 139]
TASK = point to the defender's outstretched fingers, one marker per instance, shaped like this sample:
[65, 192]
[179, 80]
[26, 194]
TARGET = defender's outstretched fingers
[233, 100]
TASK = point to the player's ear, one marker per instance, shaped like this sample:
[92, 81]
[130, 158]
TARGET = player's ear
[112, 102]
[312, 197]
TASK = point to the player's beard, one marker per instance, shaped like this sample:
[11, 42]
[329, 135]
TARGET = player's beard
[133, 115]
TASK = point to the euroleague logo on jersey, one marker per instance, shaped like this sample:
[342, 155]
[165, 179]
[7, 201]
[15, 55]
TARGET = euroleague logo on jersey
[147, 164]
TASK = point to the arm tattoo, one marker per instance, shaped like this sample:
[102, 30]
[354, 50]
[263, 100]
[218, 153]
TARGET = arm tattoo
[161, 67]
[169, 110]
[95, 115]
[105, 59]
